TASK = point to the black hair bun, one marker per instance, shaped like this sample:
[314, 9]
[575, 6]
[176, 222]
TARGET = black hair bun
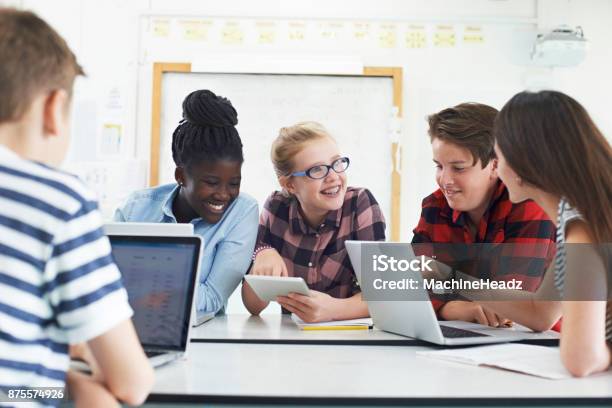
[204, 108]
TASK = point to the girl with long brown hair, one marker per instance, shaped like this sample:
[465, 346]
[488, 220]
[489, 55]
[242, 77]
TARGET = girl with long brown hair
[550, 151]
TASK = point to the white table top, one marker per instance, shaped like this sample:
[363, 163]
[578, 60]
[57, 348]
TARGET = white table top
[266, 373]
[280, 329]
[238, 359]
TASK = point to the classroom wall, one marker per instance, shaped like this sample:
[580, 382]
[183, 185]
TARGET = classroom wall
[589, 82]
[108, 40]
[106, 37]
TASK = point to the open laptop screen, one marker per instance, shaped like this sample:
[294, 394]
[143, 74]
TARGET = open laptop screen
[159, 275]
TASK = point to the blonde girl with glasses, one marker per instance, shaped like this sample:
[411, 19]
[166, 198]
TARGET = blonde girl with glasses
[302, 228]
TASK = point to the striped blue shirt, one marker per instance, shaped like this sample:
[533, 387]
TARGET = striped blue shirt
[58, 282]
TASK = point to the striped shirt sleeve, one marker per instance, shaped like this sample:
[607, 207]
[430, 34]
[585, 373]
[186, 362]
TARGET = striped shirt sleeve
[83, 283]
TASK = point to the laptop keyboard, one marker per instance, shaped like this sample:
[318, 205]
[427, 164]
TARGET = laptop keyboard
[455, 333]
[153, 353]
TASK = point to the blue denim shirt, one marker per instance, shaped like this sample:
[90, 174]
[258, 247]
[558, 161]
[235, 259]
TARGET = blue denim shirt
[228, 244]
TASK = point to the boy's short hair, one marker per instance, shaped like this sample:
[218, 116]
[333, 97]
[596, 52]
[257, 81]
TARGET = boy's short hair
[469, 125]
[33, 59]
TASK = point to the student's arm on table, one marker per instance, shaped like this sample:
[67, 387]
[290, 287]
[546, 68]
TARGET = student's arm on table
[86, 391]
[538, 310]
[472, 312]
[584, 349]
[463, 310]
[454, 309]
[267, 262]
[321, 307]
[531, 233]
[119, 368]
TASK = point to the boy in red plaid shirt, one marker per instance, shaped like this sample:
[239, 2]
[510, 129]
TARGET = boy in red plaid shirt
[472, 205]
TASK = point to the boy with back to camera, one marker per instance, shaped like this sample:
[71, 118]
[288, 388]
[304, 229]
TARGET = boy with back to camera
[59, 285]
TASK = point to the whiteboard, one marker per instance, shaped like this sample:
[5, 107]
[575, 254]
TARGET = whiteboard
[357, 110]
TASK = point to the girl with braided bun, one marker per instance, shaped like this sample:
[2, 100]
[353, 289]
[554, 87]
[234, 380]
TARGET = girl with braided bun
[207, 151]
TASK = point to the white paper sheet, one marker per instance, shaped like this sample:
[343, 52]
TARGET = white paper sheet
[524, 358]
[353, 322]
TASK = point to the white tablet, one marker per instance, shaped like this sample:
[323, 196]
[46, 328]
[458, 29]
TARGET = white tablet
[269, 287]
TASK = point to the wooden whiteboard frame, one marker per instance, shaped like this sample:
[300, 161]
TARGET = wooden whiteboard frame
[395, 73]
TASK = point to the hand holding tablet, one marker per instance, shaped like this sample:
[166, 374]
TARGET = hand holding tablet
[268, 288]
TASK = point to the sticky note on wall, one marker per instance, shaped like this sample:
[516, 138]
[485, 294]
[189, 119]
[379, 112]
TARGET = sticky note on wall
[297, 31]
[195, 30]
[330, 30]
[361, 31]
[387, 36]
[266, 32]
[473, 35]
[444, 36]
[416, 37]
[160, 27]
[232, 33]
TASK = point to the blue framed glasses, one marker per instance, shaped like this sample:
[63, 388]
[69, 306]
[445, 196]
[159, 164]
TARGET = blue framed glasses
[322, 170]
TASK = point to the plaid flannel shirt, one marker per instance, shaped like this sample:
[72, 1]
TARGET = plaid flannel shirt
[318, 254]
[503, 222]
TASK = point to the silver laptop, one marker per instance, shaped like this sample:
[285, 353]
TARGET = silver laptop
[415, 316]
[148, 228]
[202, 318]
[157, 229]
[160, 275]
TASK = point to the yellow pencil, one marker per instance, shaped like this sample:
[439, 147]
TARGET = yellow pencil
[337, 327]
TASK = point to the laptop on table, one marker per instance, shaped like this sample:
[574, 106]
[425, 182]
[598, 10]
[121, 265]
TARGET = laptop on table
[160, 274]
[148, 229]
[415, 317]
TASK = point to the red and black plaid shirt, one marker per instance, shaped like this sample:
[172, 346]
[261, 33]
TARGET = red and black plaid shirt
[502, 222]
[318, 254]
